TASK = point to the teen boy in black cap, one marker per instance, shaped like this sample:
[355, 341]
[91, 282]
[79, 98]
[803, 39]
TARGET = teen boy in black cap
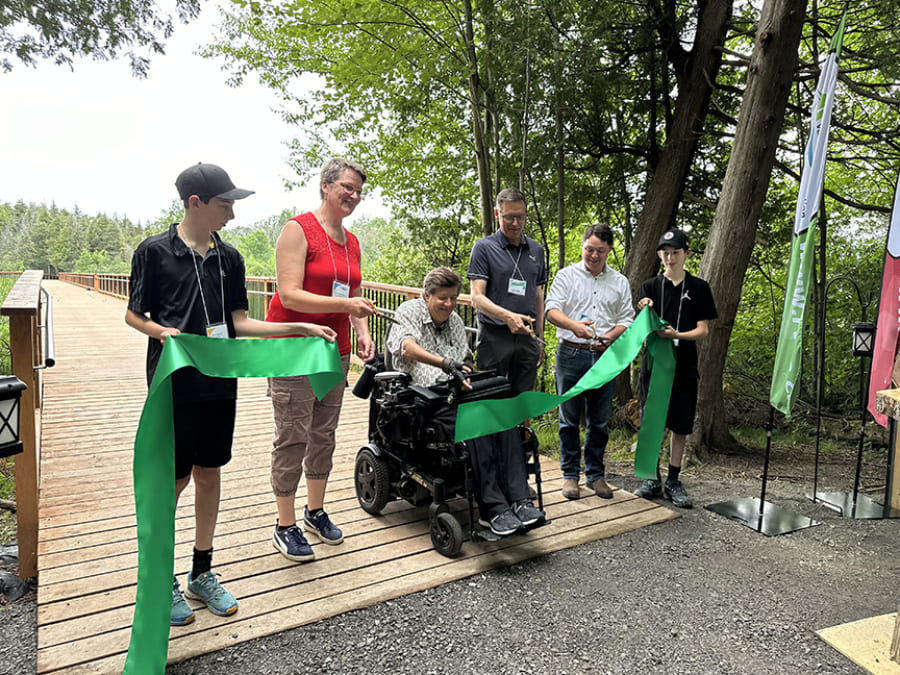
[188, 280]
[686, 302]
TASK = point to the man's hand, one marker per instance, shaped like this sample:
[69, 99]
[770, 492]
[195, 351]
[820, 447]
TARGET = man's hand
[519, 323]
[583, 330]
[668, 333]
[315, 330]
[644, 302]
[166, 332]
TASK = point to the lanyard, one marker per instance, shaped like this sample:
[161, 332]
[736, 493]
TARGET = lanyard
[200, 284]
[662, 302]
[518, 257]
[346, 253]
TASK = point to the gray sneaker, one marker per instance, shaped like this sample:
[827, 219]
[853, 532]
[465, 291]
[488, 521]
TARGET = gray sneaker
[503, 524]
[675, 491]
[182, 614]
[650, 489]
[527, 513]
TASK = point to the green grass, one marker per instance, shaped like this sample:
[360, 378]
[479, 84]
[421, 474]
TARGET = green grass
[7, 491]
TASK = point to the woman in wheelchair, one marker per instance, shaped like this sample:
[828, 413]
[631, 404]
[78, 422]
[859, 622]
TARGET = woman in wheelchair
[428, 341]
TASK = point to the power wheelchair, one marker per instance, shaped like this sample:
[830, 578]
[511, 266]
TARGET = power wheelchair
[412, 455]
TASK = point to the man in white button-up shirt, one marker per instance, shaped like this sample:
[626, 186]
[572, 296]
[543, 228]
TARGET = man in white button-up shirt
[590, 304]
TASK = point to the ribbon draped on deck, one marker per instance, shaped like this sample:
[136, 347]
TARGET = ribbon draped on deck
[154, 462]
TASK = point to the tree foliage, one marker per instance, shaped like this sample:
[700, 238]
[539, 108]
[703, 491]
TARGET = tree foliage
[61, 30]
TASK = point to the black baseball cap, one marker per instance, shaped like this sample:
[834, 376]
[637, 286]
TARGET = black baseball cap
[208, 181]
[674, 238]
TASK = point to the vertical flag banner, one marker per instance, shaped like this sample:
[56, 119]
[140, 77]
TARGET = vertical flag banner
[888, 314]
[812, 182]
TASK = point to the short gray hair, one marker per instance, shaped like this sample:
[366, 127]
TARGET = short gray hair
[510, 195]
[333, 169]
[441, 277]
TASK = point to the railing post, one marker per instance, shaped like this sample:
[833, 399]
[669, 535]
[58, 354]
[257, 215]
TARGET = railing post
[21, 306]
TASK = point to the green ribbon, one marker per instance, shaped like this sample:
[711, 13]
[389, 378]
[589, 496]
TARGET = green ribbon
[480, 418]
[154, 462]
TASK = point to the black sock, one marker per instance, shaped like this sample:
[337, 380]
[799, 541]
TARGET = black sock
[202, 563]
[673, 472]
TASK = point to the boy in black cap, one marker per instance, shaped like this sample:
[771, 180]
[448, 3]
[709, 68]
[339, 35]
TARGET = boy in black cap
[188, 280]
[686, 302]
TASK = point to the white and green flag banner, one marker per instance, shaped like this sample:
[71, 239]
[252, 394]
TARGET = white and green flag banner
[812, 182]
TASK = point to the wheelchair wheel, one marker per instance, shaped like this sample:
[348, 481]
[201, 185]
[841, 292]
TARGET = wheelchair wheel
[446, 534]
[372, 481]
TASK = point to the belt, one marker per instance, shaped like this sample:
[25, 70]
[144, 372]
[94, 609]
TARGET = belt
[595, 347]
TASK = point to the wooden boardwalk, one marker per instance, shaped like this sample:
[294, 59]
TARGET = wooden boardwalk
[87, 542]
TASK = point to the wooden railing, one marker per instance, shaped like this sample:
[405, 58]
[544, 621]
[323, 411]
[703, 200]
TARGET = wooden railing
[260, 290]
[23, 307]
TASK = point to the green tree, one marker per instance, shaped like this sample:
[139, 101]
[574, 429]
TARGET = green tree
[61, 30]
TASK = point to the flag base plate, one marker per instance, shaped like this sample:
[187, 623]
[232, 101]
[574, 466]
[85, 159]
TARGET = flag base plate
[764, 517]
[865, 507]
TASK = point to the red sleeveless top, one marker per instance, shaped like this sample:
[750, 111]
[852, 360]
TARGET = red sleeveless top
[327, 261]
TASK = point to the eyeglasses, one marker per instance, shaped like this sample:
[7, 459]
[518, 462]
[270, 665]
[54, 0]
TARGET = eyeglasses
[512, 218]
[351, 189]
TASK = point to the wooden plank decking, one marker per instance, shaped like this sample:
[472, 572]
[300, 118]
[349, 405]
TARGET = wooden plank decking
[87, 544]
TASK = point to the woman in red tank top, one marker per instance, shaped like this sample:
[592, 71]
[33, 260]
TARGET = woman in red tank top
[318, 268]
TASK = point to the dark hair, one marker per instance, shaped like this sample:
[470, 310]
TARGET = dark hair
[333, 169]
[510, 195]
[602, 232]
[441, 277]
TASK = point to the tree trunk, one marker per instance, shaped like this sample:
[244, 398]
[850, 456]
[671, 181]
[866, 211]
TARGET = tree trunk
[482, 153]
[733, 230]
[695, 85]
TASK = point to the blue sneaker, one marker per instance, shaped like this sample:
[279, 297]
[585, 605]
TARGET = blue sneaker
[182, 614]
[291, 543]
[320, 524]
[207, 589]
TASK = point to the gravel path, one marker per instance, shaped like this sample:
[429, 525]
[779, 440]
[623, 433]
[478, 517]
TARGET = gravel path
[700, 594]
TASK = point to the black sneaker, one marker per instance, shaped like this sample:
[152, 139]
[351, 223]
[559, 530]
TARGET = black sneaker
[650, 489]
[527, 513]
[675, 491]
[503, 524]
[291, 543]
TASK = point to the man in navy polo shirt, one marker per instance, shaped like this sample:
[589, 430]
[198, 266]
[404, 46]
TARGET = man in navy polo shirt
[508, 275]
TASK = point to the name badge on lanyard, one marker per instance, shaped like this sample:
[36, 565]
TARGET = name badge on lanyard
[516, 287]
[217, 330]
[339, 290]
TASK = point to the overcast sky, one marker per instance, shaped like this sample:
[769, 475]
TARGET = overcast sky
[108, 142]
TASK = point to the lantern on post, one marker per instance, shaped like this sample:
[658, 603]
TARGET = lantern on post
[11, 389]
[863, 338]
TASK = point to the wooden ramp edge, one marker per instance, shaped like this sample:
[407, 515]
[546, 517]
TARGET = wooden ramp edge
[87, 540]
[866, 642]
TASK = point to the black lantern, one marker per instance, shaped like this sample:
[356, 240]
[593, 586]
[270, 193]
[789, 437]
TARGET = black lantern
[863, 338]
[10, 393]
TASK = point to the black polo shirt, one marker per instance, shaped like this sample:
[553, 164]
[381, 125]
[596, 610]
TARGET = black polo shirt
[683, 306]
[496, 261]
[165, 285]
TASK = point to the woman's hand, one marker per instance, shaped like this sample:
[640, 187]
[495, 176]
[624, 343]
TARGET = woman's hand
[360, 307]
[644, 302]
[365, 347]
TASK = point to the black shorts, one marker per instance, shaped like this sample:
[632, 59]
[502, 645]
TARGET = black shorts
[204, 431]
[682, 401]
